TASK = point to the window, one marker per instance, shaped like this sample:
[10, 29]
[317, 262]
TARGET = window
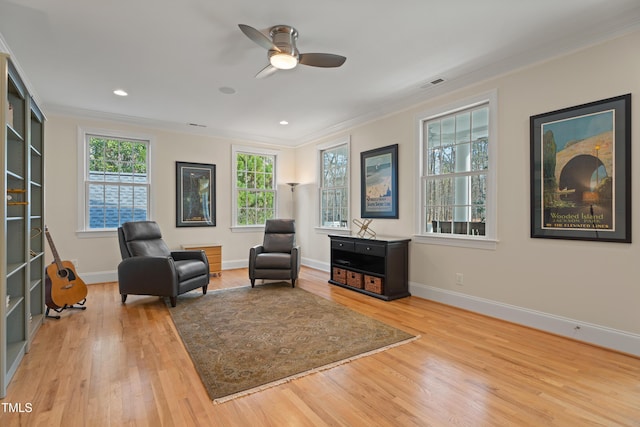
[457, 183]
[334, 185]
[116, 186]
[255, 186]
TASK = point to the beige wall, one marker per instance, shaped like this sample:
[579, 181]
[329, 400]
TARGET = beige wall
[101, 255]
[591, 282]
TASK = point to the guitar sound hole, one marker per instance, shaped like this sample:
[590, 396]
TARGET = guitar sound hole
[66, 274]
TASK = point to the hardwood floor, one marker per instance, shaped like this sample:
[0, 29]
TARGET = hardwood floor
[124, 365]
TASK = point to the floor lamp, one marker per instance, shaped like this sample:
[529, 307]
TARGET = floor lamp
[293, 205]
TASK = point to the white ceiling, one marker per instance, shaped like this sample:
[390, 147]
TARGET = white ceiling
[172, 57]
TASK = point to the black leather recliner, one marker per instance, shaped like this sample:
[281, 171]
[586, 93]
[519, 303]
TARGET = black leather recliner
[278, 257]
[148, 267]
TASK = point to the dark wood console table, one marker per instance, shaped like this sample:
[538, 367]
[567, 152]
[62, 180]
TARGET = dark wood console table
[377, 267]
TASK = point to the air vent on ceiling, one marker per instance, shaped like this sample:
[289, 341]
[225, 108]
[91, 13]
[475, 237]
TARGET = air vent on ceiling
[197, 125]
[432, 83]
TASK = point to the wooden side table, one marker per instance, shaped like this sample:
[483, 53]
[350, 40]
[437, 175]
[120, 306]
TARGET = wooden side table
[213, 253]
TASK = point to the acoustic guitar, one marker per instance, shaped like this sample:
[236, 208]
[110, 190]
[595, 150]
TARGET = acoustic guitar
[67, 288]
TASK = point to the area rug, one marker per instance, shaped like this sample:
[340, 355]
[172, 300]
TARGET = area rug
[247, 339]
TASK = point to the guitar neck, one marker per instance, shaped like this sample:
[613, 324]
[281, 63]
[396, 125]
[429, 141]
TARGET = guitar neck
[54, 251]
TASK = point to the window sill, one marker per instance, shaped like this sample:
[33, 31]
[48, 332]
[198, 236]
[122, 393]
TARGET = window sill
[247, 228]
[331, 230]
[458, 241]
[92, 234]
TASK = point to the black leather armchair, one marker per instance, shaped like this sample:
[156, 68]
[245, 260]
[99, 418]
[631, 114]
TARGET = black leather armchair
[278, 257]
[148, 267]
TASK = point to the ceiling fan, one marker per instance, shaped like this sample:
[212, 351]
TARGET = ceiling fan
[283, 53]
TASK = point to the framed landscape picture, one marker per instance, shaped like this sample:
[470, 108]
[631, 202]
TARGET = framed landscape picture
[379, 183]
[195, 195]
[581, 172]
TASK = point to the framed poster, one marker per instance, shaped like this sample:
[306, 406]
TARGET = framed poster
[379, 183]
[195, 195]
[581, 172]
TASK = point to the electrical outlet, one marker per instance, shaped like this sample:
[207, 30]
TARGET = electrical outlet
[459, 279]
[75, 263]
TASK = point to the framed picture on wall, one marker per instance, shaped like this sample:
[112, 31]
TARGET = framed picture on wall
[379, 183]
[581, 172]
[195, 195]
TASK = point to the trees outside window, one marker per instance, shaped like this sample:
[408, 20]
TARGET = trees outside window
[457, 171]
[334, 186]
[255, 187]
[116, 181]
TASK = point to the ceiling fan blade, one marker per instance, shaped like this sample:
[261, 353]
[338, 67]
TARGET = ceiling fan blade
[259, 38]
[266, 72]
[321, 59]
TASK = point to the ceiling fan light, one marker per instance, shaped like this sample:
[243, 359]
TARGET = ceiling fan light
[283, 61]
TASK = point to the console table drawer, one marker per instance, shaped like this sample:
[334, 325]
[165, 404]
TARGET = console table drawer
[370, 249]
[343, 245]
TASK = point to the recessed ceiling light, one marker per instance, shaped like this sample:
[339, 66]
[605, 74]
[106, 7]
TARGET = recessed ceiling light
[227, 90]
[284, 122]
[120, 92]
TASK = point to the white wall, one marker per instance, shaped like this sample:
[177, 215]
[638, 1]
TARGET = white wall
[592, 283]
[98, 258]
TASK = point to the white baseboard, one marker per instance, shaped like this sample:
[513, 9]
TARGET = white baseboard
[603, 336]
[307, 262]
[99, 277]
[239, 263]
[112, 276]
[622, 341]
[315, 264]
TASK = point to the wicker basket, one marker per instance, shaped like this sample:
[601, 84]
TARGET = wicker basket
[339, 275]
[354, 279]
[373, 284]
